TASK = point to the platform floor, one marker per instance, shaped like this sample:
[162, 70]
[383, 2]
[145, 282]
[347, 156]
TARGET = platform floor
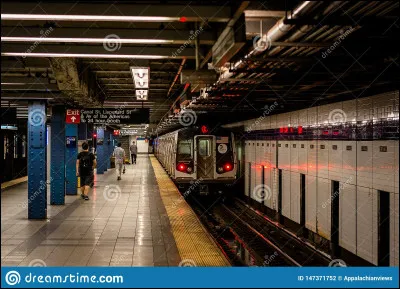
[124, 223]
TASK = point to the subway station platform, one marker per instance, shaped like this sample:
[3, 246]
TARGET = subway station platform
[141, 220]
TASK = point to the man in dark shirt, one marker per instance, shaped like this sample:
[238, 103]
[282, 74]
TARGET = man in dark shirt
[85, 164]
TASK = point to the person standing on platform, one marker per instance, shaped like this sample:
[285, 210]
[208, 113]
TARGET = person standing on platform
[133, 149]
[85, 164]
[119, 154]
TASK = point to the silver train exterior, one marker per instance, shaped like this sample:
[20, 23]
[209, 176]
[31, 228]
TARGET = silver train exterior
[195, 154]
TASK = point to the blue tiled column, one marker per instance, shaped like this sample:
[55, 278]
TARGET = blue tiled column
[101, 154]
[37, 167]
[57, 165]
[71, 130]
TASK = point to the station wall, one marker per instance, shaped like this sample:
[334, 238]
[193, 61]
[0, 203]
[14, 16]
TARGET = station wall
[364, 170]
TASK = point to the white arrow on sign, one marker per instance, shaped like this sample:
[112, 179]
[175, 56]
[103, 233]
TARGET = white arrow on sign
[73, 118]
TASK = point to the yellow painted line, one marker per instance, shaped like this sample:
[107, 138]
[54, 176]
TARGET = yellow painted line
[191, 238]
[13, 182]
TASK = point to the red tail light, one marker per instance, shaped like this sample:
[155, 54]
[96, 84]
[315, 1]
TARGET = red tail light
[181, 167]
[228, 167]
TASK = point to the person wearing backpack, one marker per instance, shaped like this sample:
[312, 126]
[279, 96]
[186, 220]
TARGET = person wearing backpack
[85, 164]
[119, 154]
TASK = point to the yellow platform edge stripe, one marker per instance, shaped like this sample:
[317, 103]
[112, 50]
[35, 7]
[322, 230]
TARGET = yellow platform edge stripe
[195, 245]
[14, 182]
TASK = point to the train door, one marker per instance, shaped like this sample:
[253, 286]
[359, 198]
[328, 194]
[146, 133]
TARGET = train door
[205, 156]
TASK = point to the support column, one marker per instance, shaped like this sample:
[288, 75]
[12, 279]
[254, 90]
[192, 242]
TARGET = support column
[37, 166]
[57, 165]
[101, 155]
[107, 142]
[71, 152]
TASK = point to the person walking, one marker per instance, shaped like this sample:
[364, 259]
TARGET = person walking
[133, 150]
[119, 154]
[85, 164]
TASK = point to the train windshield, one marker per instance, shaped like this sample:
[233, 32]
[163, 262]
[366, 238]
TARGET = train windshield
[185, 147]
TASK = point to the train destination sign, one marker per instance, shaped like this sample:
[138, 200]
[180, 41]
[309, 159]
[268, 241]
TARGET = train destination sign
[115, 115]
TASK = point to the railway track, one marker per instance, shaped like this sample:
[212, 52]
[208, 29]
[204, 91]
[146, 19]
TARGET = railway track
[267, 243]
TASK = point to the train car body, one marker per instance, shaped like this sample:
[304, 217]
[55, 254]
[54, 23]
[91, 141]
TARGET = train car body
[195, 155]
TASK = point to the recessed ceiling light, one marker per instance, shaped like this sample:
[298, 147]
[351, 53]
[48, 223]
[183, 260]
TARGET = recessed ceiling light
[81, 55]
[62, 17]
[85, 40]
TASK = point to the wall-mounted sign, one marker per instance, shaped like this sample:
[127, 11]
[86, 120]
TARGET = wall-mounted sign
[72, 116]
[115, 115]
[71, 141]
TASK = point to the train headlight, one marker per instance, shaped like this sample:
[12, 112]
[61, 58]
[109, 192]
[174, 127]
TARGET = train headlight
[220, 169]
[181, 167]
[189, 170]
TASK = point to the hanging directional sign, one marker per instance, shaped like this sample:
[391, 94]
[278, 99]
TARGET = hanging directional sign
[115, 115]
[73, 116]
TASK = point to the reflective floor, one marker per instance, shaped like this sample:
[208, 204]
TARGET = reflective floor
[123, 224]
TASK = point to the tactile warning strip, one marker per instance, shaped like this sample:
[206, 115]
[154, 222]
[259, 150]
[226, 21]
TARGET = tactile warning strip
[194, 244]
[13, 182]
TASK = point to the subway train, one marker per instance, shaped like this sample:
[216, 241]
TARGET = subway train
[330, 171]
[194, 156]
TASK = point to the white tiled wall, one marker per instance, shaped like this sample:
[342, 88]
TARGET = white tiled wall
[361, 174]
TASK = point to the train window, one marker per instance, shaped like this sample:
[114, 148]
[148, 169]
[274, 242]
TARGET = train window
[185, 147]
[204, 148]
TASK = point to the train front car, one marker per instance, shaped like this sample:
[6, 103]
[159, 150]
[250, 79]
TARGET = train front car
[205, 161]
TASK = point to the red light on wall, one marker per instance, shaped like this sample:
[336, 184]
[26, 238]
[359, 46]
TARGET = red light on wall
[336, 132]
[325, 132]
[204, 129]
[285, 129]
[95, 135]
[281, 130]
[183, 19]
[291, 129]
[116, 132]
[300, 130]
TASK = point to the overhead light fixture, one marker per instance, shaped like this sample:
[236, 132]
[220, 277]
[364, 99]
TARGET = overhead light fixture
[85, 40]
[142, 94]
[61, 17]
[81, 55]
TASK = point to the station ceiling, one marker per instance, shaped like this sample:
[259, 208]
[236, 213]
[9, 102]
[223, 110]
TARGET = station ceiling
[80, 53]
